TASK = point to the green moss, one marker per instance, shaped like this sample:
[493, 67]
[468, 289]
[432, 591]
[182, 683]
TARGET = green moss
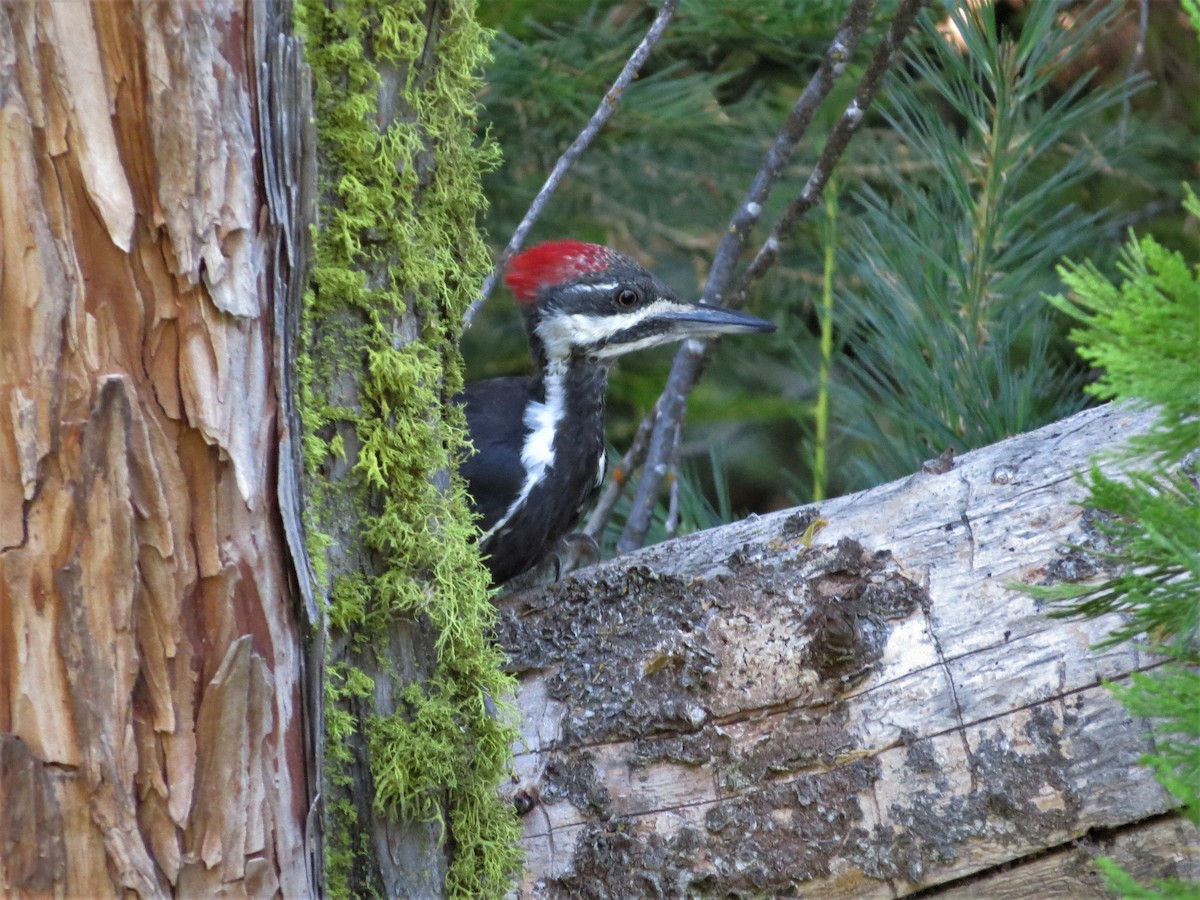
[398, 259]
[422, 761]
[349, 602]
[343, 684]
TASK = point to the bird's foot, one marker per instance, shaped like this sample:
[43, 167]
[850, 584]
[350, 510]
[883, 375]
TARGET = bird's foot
[577, 551]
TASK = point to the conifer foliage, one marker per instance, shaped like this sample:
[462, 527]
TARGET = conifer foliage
[1143, 332]
[950, 255]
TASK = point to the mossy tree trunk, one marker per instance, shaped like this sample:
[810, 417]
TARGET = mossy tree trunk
[152, 736]
[415, 739]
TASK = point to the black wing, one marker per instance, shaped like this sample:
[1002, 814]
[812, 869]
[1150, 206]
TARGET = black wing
[495, 412]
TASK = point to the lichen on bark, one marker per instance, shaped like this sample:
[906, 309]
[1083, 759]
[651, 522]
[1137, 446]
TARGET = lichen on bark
[398, 258]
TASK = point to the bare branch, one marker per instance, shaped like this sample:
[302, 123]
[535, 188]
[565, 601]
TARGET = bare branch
[672, 403]
[1135, 61]
[672, 524]
[602, 114]
[833, 64]
[671, 406]
[693, 356]
[839, 139]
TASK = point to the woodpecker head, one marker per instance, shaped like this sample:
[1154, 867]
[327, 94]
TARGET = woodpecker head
[587, 302]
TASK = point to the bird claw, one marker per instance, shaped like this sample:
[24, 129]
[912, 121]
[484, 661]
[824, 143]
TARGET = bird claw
[576, 551]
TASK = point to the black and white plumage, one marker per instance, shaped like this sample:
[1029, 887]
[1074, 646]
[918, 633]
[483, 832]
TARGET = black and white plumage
[539, 439]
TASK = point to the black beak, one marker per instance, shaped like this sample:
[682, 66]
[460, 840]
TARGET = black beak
[697, 320]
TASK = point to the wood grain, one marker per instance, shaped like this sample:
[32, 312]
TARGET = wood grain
[871, 713]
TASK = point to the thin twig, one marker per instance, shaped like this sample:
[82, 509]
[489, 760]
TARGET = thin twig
[693, 355]
[1135, 62]
[833, 64]
[672, 523]
[602, 114]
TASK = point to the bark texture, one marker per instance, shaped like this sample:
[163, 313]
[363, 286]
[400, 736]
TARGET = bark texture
[151, 733]
[867, 707]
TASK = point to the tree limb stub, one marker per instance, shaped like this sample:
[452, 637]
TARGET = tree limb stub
[865, 707]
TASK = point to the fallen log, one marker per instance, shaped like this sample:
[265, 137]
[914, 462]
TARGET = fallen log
[855, 700]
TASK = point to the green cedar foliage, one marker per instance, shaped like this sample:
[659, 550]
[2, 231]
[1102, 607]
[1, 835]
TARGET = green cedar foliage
[1149, 317]
[1144, 335]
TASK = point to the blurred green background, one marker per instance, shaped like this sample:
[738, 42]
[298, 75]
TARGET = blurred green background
[1006, 141]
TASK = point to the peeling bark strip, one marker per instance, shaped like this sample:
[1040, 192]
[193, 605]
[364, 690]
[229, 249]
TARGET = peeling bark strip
[740, 713]
[150, 726]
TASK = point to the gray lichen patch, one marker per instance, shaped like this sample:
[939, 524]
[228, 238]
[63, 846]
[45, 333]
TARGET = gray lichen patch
[891, 818]
[743, 754]
[766, 842]
[1019, 793]
[708, 744]
[775, 729]
[1087, 553]
[735, 681]
[600, 635]
[794, 741]
[635, 654]
[572, 777]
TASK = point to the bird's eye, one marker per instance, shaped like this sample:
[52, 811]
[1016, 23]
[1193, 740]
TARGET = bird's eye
[626, 297]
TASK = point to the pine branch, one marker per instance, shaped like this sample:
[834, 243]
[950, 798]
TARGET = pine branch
[603, 113]
[693, 356]
[951, 264]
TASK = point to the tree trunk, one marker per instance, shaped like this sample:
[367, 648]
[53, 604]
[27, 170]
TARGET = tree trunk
[152, 736]
[855, 701]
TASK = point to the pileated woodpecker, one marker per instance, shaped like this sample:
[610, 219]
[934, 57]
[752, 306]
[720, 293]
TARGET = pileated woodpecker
[539, 439]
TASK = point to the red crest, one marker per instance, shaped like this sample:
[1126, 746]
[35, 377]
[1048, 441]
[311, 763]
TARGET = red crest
[554, 262]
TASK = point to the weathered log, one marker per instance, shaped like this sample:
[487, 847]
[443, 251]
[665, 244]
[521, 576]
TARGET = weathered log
[850, 701]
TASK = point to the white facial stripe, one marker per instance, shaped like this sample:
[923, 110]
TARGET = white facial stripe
[612, 351]
[537, 453]
[587, 288]
[561, 333]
